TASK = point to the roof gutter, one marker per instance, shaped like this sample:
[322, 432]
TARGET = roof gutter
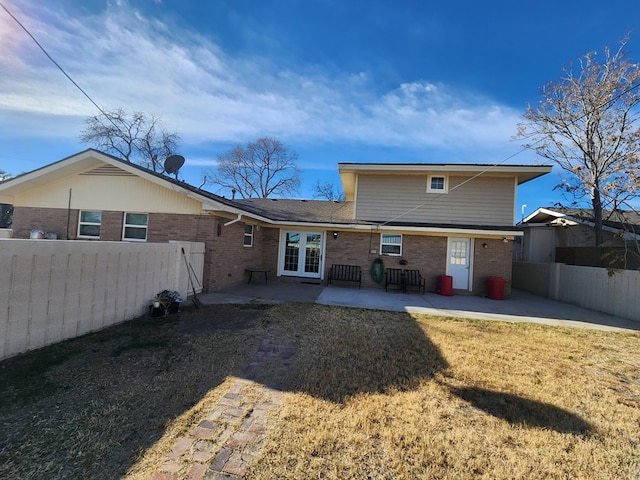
[516, 232]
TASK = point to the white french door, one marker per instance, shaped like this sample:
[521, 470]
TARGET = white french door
[301, 253]
[459, 262]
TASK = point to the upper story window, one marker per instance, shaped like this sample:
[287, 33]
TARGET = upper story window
[391, 244]
[248, 235]
[89, 224]
[437, 184]
[135, 226]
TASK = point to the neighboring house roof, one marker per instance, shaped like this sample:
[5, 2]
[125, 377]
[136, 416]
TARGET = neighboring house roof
[613, 220]
[349, 171]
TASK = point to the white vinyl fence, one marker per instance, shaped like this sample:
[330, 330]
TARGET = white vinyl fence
[52, 290]
[589, 287]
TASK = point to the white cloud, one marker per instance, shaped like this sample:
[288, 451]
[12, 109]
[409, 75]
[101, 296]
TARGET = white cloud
[124, 60]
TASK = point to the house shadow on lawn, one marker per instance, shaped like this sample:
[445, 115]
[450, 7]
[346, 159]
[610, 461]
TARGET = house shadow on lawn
[522, 411]
[358, 351]
[87, 408]
[372, 351]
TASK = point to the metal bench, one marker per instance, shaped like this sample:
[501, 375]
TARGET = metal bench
[345, 273]
[404, 279]
[393, 276]
[413, 278]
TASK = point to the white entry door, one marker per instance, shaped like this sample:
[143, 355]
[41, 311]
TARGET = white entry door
[458, 263]
[301, 254]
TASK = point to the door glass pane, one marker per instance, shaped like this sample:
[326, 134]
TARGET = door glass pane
[458, 253]
[292, 252]
[312, 253]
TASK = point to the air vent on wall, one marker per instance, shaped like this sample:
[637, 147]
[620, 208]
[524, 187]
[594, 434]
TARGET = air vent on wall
[110, 170]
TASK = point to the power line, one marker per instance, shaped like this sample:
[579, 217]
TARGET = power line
[58, 65]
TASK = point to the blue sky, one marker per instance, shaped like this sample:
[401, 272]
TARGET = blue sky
[335, 80]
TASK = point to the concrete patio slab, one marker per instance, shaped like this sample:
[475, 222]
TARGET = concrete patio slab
[520, 307]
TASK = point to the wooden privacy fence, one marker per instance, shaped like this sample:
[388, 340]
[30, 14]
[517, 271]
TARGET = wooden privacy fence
[588, 287]
[52, 290]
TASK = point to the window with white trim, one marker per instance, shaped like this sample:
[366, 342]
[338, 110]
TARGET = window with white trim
[437, 184]
[248, 236]
[135, 227]
[89, 224]
[391, 244]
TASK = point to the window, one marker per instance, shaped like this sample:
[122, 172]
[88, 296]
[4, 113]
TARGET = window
[89, 224]
[248, 235]
[437, 184]
[135, 226]
[391, 244]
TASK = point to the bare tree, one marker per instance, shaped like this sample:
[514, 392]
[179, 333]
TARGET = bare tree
[135, 137]
[262, 168]
[586, 124]
[327, 191]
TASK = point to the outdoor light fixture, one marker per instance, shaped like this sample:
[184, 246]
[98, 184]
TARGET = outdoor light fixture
[335, 235]
[504, 240]
[484, 245]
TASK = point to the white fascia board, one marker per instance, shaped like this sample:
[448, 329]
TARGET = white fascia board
[449, 167]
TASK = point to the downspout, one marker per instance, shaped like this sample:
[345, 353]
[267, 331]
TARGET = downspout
[69, 214]
[233, 221]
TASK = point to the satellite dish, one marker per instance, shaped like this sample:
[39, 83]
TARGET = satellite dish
[173, 163]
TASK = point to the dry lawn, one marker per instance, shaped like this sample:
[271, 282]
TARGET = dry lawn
[368, 395]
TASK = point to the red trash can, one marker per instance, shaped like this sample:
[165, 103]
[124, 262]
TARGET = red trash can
[496, 287]
[445, 285]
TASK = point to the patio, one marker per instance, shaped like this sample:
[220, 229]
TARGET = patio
[520, 307]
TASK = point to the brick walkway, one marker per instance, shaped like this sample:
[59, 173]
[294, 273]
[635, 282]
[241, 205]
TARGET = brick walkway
[222, 445]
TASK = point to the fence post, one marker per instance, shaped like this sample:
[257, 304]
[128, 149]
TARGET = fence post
[554, 280]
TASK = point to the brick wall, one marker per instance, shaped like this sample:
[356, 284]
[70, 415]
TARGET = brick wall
[427, 254]
[225, 255]
[52, 220]
[492, 261]
[229, 257]
[226, 258]
[269, 240]
[111, 227]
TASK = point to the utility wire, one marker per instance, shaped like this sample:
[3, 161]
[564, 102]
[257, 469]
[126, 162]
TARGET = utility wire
[58, 65]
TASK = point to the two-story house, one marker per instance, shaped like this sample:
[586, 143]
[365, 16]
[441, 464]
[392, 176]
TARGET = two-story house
[442, 219]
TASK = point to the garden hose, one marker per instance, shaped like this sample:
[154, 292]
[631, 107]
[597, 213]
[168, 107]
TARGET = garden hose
[377, 270]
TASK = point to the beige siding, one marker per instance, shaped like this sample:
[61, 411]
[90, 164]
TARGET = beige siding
[403, 198]
[108, 192]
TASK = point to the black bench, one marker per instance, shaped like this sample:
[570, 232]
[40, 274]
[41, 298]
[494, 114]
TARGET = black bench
[393, 276]
[345, 273]
[413, 278]
[253, 270]
[404, 279]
